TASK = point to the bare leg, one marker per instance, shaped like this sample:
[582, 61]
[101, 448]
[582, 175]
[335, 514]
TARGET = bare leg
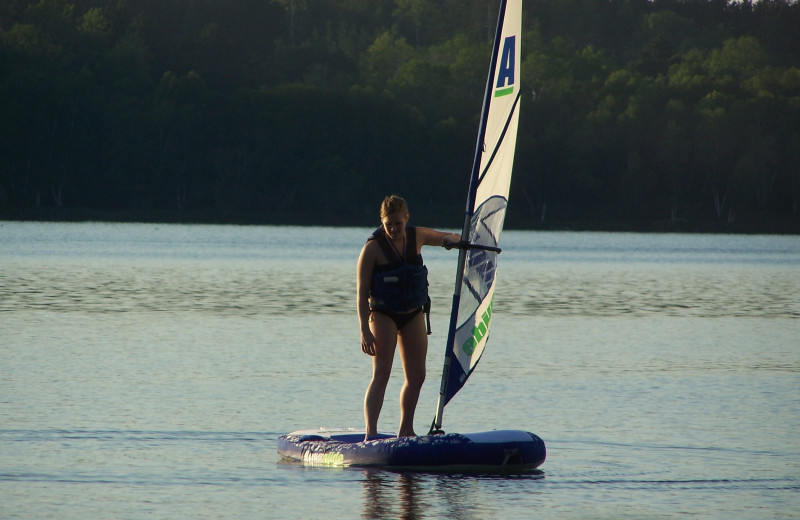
[385, 332]
[413, 350]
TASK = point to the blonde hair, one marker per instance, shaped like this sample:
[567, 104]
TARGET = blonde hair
[393, 204]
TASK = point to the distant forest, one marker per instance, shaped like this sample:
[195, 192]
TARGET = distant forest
[636, 114]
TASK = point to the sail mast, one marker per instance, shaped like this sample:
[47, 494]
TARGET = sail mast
[475, 180]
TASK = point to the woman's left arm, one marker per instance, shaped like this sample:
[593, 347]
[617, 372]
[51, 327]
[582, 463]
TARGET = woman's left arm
[432, 237]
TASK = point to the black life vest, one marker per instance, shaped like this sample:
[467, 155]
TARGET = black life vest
[402, 284]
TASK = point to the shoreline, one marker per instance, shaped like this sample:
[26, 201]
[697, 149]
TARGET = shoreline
[757, 224]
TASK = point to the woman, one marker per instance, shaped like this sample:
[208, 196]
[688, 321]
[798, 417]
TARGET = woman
[392, 289]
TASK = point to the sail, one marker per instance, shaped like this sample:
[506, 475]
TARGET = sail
[486, 208]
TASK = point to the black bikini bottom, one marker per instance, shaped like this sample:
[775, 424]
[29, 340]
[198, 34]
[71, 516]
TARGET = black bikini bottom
[401, 319]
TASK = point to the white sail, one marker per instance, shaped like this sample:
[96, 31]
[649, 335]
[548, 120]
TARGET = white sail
[486, 208]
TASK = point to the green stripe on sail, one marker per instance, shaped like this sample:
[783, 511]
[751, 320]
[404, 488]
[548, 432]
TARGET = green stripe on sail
[503, 92]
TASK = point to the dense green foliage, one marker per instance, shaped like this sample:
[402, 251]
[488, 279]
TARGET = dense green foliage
[636, 114]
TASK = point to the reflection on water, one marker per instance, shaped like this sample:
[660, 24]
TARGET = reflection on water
[256, 271]
[414, 496]
[385, 493]
[215, 288]
[701, 291]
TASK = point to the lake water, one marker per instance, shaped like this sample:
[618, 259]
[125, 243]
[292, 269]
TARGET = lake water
[146, 371]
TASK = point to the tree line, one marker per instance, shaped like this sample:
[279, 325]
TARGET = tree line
[636, 114]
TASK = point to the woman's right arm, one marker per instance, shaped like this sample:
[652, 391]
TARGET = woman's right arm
[366, 265]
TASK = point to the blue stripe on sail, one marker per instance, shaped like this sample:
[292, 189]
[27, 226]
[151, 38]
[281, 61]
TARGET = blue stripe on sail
[502, 137]
[455, 378]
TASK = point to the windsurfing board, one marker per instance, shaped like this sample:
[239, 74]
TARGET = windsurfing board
[495, 450]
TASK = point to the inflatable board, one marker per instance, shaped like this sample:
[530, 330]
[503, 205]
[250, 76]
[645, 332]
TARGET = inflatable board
[489, 451]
